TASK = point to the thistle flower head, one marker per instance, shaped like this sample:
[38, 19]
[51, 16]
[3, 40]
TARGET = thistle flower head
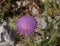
[26, 25]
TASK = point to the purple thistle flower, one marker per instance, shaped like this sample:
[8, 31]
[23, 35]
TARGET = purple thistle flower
[26, 25]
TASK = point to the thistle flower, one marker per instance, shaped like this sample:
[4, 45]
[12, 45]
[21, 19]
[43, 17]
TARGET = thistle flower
[26, 25]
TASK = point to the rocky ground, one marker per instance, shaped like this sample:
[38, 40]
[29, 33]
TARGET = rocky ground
[46, 13]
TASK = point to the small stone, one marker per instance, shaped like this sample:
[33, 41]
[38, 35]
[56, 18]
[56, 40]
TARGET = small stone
[47, 37]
